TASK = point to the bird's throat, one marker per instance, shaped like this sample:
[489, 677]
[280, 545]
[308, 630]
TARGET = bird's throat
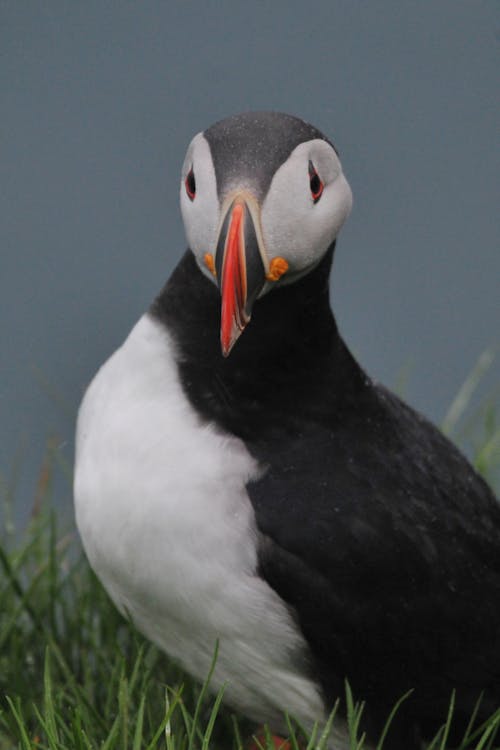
[289, 348]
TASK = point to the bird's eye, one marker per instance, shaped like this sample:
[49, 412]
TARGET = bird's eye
[190, 184]
[315, 183]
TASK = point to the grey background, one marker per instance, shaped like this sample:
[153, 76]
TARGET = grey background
[98, 103]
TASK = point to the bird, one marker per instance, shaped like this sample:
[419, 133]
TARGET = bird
[241, 480]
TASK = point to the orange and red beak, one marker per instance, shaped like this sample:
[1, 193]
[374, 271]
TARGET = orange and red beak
[239, 268]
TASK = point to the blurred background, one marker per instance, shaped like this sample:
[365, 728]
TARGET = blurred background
[98, 103]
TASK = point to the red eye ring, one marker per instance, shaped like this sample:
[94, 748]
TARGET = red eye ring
[315, 183]
[190, 185]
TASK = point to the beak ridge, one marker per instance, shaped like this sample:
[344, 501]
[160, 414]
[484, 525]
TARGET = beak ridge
[240, 271]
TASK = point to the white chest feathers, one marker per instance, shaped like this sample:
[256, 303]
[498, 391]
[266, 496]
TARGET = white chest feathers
[168, 527]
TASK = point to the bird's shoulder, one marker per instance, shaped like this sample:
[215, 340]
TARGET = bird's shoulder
[371, 486]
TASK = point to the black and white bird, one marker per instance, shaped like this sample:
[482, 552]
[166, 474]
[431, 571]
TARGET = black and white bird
[240, 478]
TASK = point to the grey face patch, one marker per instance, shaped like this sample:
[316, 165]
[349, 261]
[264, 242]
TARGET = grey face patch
[247, 149]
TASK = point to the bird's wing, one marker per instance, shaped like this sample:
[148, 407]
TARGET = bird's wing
[387, 545]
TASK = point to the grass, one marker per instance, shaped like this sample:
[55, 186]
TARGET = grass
[74, 675]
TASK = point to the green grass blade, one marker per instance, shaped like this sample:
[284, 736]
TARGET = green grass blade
[447, 726]
[328, 726]
[390, 719]
[213, 715]
[139, 725]
[236, 732]
[461, 401]
[111, 741]
[203, 692]
[123, 700]
[292, 733]
[17, 714]
[171, 707]
[50, 714]
[489, 734]
[472, 721]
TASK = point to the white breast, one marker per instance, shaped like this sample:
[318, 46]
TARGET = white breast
[167, 525]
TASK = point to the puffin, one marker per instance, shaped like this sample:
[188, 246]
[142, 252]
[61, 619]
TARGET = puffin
[240, 480]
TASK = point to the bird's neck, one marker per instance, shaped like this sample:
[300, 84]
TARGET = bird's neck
[289, 358]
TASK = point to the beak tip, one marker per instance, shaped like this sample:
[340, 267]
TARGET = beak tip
[231, 330]
[227, 345]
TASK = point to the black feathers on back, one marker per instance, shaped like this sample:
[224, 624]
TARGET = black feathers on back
[374, 527]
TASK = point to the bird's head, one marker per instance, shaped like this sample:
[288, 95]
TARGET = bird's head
[263, 197]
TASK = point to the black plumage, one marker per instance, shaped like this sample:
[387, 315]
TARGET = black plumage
[373, 527]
